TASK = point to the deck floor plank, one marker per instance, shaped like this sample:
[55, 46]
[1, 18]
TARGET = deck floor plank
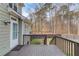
[38, 50]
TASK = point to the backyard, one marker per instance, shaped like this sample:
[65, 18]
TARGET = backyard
[40, 41]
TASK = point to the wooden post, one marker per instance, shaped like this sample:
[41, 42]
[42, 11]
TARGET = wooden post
[23, 39]
[55, 40]
[45, 40]
[30, 39]
[76, 49]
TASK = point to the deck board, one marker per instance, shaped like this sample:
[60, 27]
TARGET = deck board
[38, 50]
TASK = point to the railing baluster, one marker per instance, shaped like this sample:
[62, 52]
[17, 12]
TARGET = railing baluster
[62, 45]
[69, 48]
[65, 46]
[73, 49]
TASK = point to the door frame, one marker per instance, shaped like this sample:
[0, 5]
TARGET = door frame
[11, 34]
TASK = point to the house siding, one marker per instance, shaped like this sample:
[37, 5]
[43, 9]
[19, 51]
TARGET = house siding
[26, 30]
[4, 30]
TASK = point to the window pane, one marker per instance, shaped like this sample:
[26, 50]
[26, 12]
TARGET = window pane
[14, 31]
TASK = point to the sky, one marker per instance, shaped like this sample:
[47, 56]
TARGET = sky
[29, 8]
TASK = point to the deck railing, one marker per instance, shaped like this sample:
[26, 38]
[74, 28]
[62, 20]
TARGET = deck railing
[69, 47]
[44, 36]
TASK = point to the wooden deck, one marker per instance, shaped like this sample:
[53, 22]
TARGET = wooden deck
[38, 50]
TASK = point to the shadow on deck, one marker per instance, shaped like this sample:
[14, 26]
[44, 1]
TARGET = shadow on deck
[38, 50]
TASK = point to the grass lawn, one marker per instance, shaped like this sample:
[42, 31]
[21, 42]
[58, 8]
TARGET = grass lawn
[39, 41]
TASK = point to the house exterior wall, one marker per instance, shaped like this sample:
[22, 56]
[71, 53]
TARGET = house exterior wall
[26, 30]
[4, 30]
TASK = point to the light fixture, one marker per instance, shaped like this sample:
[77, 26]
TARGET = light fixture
[6, 22]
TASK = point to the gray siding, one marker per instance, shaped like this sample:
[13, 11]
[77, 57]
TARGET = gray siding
[4, 30]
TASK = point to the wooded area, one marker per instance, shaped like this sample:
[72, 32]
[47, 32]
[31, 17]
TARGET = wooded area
[55, 18]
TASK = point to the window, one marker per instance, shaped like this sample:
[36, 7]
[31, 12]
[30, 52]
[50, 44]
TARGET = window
[14, 31]
[10, 4]
[13, 6]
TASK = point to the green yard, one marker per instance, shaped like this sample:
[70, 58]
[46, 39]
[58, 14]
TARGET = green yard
[39, 41]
